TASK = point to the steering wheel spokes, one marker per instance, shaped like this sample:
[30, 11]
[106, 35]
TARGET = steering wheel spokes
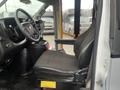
[28, 28]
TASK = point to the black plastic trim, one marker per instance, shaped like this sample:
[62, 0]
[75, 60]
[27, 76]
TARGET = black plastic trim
[69, 42]
[115, 55]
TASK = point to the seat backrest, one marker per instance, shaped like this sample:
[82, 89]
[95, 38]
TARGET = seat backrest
[83, 47]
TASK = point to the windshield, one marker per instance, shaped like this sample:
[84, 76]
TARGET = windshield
[9, 8]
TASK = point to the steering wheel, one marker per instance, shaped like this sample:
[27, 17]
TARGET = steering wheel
[28, 28]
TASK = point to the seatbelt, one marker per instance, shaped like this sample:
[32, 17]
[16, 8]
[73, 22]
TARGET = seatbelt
[77, 18]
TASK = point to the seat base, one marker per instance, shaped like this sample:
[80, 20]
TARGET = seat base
[55, 65]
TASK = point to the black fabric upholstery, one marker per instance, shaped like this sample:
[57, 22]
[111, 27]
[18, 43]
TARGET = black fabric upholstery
[56, 65]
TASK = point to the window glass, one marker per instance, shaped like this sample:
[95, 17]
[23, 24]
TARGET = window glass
[48, 21]
[49, 26]
[9, 8]
[68, 16]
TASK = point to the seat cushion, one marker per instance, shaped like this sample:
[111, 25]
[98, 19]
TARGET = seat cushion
[55, 63]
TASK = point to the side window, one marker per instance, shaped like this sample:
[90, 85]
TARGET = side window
[48, 32]
[48, 21]
[85, 18]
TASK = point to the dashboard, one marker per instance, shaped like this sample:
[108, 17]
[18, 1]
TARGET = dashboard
[12, 40]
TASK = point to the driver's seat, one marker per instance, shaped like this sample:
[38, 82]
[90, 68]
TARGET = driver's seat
[57, 66]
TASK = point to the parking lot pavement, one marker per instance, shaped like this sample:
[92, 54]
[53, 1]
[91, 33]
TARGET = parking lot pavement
[68, 48]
